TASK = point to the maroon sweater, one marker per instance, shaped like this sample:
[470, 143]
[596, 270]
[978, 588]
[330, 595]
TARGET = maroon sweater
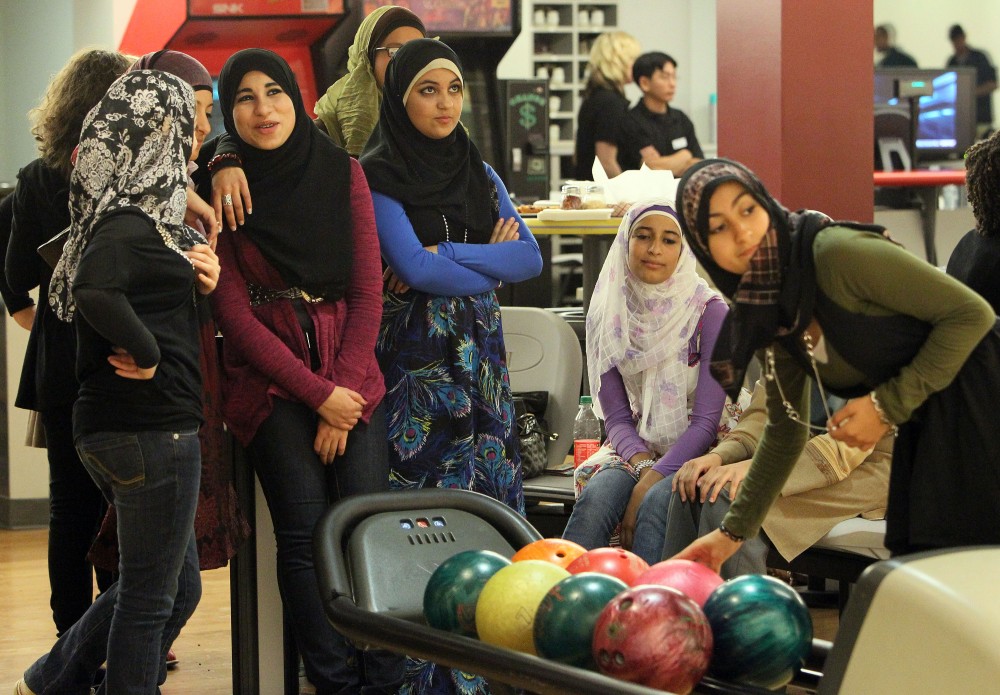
[264, 349]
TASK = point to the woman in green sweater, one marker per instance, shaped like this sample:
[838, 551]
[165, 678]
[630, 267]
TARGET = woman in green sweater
[839, 305]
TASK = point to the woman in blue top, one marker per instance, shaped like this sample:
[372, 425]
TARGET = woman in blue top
[449, 235]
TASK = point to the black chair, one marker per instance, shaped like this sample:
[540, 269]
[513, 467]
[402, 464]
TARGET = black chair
[375, 553]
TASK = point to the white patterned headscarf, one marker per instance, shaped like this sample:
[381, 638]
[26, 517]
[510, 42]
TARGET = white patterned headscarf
[133, 153]
[644, 331]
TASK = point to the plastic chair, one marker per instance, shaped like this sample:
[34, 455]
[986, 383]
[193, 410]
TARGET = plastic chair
[543, 354]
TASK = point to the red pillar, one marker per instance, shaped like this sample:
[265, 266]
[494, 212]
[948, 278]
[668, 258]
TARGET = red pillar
[795, 99]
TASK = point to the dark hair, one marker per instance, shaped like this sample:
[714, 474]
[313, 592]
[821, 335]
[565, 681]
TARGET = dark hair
[956, 32]
[648, 63]
[71, 94]
[982, 174]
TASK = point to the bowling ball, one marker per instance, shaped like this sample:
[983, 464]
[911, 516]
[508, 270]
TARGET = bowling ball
[554, 550]
[505, 612]
[693, 579]
[762, 631]
[564, 624]
[453, 589]
[617, 562]
[654, 636]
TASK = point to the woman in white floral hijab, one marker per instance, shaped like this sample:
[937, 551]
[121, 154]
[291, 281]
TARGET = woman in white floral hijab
[650, 321]
[130, 275]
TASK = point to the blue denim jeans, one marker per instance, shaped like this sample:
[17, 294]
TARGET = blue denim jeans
[152, 478]
[298, 488]
[600, 508]
[667, 525]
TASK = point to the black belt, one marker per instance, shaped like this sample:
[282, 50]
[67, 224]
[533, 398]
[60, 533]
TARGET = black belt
[263, 295]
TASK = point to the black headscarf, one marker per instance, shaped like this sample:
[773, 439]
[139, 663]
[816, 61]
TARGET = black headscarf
[775, 297]
[431, 178]
[301, 190]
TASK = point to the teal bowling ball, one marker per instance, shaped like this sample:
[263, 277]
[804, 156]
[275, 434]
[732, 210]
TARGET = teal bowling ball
[453, 589]
[762, 631]
[564, 624]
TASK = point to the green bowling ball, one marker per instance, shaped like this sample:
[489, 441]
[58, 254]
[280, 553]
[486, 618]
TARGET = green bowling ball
[762, 631]
[453, 589]
[564, 623]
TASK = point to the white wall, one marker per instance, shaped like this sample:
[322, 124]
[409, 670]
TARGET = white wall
[922, 29]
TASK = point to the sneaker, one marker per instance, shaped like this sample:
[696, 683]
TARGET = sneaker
[172, 659]
[21, 688]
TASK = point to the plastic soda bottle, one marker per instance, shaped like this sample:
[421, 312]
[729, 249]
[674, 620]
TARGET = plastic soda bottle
[586, 432]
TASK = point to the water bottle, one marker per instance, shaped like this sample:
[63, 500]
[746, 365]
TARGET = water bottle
[713, 106]
[586, 432]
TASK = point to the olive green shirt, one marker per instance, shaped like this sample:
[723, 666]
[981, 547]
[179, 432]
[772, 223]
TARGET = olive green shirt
[865, 274]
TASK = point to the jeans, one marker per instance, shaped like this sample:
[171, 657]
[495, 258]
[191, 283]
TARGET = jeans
[299, 488]
[76, 508]
[667, 526]
[152, 478]
[600, 508]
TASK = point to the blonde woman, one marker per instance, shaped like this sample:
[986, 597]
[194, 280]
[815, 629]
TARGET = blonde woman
[604, 104]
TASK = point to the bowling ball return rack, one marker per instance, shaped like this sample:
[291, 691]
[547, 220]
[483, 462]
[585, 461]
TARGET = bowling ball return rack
[374, 554]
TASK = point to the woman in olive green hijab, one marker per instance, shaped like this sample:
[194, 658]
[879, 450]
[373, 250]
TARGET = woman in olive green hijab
[349, 109]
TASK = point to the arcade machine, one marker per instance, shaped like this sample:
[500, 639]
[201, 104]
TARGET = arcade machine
[211, 31]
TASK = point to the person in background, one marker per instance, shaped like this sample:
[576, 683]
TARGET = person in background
[449, 235]
[40, 211]
[129, 278]
[299, 306]
[829, 483]
[885, 44]
[986, 77]
[604, 104]
[650, 322]
[833, 303]
[653, 133]
[976, 258]
[347, 112]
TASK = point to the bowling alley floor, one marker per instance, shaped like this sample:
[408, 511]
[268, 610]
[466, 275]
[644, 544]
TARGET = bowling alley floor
[204, 647]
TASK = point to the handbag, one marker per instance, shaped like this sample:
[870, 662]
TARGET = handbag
[532, 431]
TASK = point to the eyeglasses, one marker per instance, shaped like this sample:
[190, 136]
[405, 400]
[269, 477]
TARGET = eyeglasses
[389, 50]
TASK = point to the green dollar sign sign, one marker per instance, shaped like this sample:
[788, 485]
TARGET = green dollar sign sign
[528, 118]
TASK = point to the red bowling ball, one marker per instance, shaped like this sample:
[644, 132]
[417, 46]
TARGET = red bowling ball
[654, 636]
[693, 579]
[617, 562]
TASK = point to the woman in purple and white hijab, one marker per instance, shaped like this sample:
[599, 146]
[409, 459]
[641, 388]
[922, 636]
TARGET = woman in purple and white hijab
[650, 321]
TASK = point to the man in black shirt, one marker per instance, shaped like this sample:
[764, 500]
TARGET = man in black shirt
[986, 77]
[654, 133]
[892, 57]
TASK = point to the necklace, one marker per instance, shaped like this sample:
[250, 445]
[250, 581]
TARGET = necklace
[447, 235]
[771, 374]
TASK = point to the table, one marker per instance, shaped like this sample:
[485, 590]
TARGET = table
[597, 236]
[928, 183]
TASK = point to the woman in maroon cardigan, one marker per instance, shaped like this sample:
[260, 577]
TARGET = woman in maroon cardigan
[299, 304]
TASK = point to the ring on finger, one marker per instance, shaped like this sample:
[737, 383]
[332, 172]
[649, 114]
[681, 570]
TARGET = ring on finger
[227, 199]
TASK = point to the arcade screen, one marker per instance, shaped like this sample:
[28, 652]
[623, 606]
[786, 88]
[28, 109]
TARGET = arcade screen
[453, 17]
[946, 119]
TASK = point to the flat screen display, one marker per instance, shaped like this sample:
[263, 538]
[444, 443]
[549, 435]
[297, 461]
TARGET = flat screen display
[454, 17]
[945, 119]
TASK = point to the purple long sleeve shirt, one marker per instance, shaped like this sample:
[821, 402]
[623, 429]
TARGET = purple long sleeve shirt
[706, 411]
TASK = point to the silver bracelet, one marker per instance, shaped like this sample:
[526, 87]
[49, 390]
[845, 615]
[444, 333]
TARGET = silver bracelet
[881, 414]
[644, 464]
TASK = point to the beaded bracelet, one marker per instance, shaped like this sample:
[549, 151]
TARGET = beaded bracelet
[214, 162]
[644, 464]
[730, 535]
[881, 414]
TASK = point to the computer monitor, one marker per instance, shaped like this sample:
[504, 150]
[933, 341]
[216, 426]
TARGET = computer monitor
[946, 120]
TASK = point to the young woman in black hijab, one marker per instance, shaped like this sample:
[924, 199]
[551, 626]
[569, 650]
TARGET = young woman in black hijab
[839, 305]
[449, 235]
[299, 307]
